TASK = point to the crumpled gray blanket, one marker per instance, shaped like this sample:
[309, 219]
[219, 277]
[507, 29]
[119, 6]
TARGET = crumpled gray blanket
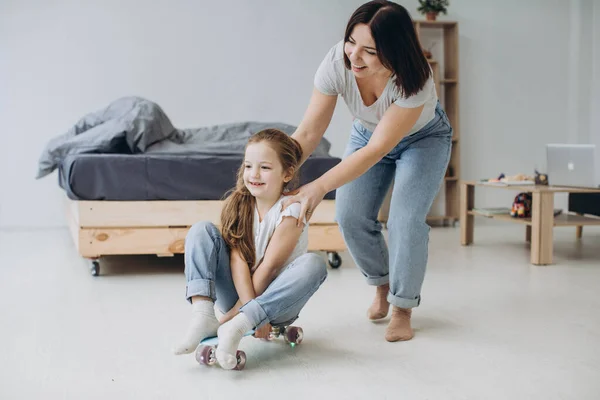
[134, 125]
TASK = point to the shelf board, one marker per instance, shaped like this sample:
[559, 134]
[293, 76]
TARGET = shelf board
[451, 178]
[436, 24]
[563, 219]
[449, 81]
[441, 217]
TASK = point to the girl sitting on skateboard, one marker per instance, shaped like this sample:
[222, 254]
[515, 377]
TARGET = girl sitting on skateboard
[256, 269]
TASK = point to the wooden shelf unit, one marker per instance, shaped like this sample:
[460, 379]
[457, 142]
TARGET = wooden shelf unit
[446, 82]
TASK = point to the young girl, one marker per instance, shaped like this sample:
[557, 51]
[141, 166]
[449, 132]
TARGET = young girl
[257, 268]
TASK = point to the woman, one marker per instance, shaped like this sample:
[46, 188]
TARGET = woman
[399, 133]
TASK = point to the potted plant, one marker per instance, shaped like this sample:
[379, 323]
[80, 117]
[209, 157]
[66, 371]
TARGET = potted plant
[431, 8]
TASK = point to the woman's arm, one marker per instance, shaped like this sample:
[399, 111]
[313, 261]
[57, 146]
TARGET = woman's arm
[279, 249]
[395, 124]
[315, 122]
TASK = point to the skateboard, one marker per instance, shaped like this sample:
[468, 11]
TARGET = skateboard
[206, 350]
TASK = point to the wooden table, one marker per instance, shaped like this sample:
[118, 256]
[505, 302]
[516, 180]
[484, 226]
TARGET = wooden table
[539, 227]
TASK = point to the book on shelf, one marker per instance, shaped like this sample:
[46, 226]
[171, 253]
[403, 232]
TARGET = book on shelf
[490, 211]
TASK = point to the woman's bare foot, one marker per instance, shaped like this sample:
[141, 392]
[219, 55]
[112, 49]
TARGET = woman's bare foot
[380, 307]
[399, 327]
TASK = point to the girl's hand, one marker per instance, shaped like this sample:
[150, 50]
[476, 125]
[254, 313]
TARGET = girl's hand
[263, 332]
[309, 196]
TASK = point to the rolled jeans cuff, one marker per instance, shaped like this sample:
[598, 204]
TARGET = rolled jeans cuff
[402, 302]
[378, 280]
[200, 287]
[255, 313]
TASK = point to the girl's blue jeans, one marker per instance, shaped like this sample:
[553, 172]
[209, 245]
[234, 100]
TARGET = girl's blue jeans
[208, 274]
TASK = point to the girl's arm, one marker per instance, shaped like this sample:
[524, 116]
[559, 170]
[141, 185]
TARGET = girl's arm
[240, 273]
[279, 249]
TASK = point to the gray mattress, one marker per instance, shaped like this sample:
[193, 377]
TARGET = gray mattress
[129, 177]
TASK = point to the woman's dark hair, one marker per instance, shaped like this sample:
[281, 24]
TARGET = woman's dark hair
[398, 47]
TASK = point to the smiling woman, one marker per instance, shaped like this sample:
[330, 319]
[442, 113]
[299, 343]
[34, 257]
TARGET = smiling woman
[401, 133]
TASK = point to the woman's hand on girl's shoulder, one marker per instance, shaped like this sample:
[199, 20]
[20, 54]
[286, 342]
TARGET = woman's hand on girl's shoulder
[309, 196]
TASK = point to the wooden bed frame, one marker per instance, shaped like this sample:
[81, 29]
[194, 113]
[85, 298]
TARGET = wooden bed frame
[101, 228]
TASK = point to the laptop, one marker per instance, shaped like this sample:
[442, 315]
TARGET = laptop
[572, 165]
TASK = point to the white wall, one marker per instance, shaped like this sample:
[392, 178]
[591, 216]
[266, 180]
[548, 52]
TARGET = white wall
[216, 62]
[203, 62]
[595, 92]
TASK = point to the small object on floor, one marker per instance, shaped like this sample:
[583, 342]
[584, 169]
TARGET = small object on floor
[206, 352]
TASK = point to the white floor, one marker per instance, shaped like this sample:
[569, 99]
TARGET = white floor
[491, 326]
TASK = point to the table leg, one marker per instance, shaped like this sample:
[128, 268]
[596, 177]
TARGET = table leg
[542, 224]
[467, 221]
[579, 231]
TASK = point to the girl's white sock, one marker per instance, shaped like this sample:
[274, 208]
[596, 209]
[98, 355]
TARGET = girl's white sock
[230, 334]
[203, 324]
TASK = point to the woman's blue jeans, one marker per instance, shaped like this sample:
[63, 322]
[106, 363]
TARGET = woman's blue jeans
[417, 165]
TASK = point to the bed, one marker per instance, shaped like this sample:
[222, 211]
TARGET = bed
[134, 184]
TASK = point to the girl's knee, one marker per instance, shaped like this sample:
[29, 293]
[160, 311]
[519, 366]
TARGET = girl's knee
[199, 233]
[201, 229]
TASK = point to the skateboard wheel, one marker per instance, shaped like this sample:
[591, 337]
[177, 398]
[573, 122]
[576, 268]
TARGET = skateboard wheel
[241, 360]
[205, 355]
[294, 335]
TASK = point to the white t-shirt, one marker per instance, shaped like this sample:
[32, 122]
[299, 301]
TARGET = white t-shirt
[263, 230]
[332, 78]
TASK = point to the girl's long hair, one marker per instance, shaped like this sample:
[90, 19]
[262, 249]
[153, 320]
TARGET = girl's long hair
[237, 217]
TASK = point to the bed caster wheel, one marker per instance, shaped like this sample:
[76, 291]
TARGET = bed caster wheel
[95, 268]
[334, 259]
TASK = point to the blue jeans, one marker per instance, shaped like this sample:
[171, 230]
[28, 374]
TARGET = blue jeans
[208, 274]
[417, 165]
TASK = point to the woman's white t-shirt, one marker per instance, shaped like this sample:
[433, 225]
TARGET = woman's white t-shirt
[332, 78]
[263, 230]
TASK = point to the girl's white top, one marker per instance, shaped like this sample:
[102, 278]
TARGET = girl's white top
[263, 231]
